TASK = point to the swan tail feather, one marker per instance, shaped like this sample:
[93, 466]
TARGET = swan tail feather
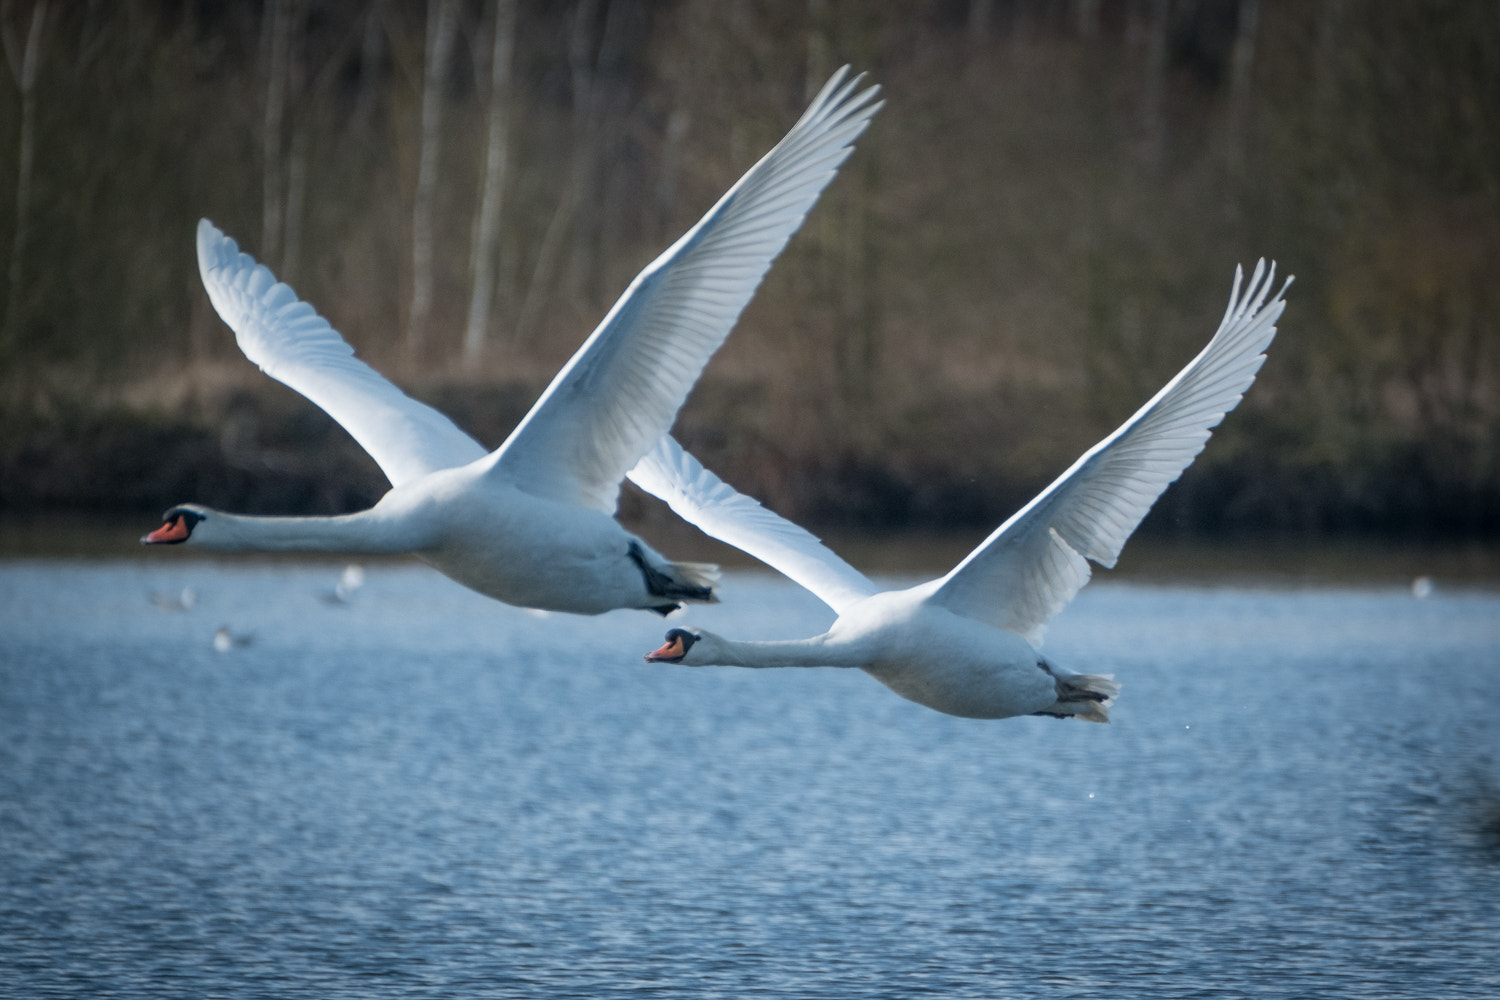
[1081, 696]
[690, 582]
[704, 576]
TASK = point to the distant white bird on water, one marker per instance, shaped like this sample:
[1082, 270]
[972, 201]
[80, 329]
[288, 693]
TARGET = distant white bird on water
[184, 600]
[532, 523]
[226, 640]
[350, 580]
[965, 643]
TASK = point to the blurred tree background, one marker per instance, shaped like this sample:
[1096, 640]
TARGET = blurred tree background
[1038, 230]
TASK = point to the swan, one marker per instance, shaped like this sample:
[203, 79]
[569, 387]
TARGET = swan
[532, 523]
[966, 643]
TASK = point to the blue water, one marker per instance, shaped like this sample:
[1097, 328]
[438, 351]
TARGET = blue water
[423, 793]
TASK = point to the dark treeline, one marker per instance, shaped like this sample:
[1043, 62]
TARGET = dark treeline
[1039, 229]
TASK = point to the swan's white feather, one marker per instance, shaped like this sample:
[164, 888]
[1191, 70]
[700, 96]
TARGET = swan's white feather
[623, 388]
[1034, 563]
[703, 499]
[294, 345]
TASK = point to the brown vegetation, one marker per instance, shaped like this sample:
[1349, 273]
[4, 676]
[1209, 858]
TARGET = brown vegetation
[1038, 230]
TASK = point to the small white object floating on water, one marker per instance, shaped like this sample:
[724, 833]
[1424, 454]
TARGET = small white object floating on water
[350, 581]
[184, 600]
[225, 640]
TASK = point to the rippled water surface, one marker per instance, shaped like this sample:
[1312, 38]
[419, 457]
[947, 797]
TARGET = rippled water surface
[424, 793]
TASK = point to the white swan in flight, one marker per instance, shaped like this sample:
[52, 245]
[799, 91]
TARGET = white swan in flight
[532, 523]
[965, 643]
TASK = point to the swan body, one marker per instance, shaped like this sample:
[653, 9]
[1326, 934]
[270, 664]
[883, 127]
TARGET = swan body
[502, 542]
[954, 664]
[966, 643]
[922, 652]
[532, 522]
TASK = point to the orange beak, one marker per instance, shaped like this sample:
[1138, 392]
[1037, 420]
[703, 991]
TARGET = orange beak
[172, 531]
[670, 653]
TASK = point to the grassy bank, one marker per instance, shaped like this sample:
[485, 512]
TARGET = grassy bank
[261, 449]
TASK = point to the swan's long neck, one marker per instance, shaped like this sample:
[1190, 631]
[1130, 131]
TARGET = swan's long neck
[364, 533]
[814, 652]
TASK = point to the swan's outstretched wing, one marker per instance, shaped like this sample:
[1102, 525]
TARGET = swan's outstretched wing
[623, 388]
[703, 499]
[1035, 562]
[294, 345]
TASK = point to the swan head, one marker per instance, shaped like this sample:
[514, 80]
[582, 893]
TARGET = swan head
[180, 522]
[679, 642]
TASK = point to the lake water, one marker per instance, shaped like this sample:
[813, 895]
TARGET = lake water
[423, 793]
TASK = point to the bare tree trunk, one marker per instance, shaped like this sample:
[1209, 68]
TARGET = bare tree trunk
[567, 203]
[369, 58]
[546, 258]
[1330, 55]
[276, 30]
[977, 24]
[1023, 24]
[24, 64]
[817, 49]
[296, 197]
[1086, 17]
[825, 225]
[597, 131]
[857, 343]
[306, 87]
[1325, 66]
[1153, 109]
[978, 27]
[486, 241]
[1241, 66]
[678, 123]
[442, 23]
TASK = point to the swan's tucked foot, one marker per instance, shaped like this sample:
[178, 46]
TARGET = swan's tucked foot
[1080, 696]
[696, 583]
